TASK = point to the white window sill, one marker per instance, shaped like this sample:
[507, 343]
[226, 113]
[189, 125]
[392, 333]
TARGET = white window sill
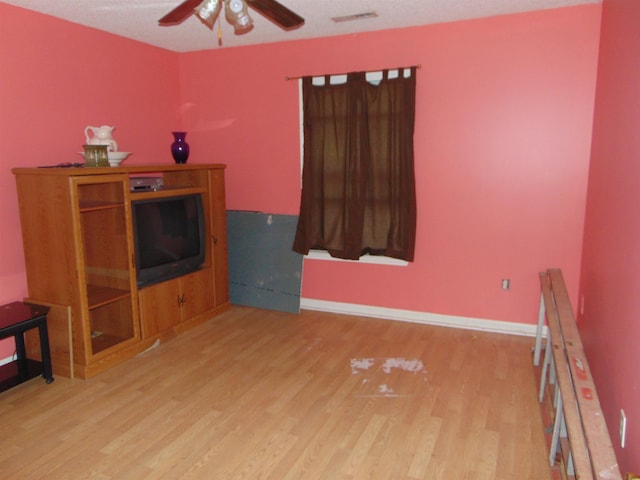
[375, 259]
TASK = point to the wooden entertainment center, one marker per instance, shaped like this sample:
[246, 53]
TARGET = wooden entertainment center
[80, 260]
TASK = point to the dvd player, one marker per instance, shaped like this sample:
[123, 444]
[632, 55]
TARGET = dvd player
[137, 184]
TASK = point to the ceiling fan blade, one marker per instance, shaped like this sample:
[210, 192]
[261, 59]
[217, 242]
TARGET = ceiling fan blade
[277, 13]
[180, 13]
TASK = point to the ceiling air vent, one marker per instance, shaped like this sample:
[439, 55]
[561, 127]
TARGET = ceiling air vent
[355, 16]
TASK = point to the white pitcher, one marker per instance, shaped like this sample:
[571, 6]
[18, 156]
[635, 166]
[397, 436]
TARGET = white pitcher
[101, 136]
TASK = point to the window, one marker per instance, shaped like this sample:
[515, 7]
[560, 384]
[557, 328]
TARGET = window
[358, 187]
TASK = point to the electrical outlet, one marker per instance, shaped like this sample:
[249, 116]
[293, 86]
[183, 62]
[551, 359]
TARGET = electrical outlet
[623, 427]
[506, 284]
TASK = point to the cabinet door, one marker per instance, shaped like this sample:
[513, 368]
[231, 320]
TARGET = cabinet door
[218, 222]
[159, 307]
[197, 293]
[104, 260]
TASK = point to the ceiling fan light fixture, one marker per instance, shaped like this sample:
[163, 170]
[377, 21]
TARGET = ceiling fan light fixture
[207, 11]
[237, 14]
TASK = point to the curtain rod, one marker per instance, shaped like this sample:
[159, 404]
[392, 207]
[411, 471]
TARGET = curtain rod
[332, 74]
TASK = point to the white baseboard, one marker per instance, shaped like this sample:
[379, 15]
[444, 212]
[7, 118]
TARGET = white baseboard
[412, 316]
[467, 323]
[4, 361]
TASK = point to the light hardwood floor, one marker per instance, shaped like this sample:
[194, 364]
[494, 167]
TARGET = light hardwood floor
[256, 394]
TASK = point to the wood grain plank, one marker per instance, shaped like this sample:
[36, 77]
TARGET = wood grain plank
[254, 394]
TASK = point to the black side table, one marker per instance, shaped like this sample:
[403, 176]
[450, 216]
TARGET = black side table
[15, 319]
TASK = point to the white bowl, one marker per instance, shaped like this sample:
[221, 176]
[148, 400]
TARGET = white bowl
[116, 158]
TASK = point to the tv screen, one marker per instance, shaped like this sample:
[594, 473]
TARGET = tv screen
[168, 237]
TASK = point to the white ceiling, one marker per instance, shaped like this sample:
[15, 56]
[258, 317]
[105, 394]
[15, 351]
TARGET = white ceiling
[138, 19]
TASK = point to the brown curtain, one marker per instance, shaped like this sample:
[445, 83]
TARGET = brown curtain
[358, 185]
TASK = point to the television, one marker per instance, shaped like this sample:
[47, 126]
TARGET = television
[169, 237]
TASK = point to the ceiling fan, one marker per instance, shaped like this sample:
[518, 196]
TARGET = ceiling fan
[236, 13]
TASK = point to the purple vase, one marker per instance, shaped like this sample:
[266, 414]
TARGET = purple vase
[180, 148]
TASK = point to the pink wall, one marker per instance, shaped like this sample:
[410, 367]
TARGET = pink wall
[502, 140]
[502, 143]
[610, 281]
[57, 77]
[502, 146]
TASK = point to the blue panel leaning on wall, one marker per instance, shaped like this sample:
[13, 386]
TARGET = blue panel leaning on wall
[263, 270]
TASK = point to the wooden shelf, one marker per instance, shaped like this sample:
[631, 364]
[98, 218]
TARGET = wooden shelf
[99, 296]
[103, 341]
[146, 169]
[168, 191]
[93, 205]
